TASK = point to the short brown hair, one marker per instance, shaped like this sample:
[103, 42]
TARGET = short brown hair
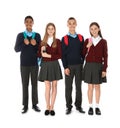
[71, 18]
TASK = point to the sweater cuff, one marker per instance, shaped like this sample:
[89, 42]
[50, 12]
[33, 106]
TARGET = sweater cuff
[104, 69]
[65, 66]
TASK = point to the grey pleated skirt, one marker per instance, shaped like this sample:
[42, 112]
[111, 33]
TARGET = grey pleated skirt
[50, 71]
[92, 73]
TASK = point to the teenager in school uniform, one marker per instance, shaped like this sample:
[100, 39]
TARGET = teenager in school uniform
[95, 50]
[27, 43]
[72, 59]
[50, 72]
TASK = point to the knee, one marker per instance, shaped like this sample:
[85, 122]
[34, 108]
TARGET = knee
[97, 87]
[90, 88]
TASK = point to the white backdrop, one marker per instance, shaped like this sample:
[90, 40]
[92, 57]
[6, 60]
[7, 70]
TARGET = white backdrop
[12, 14]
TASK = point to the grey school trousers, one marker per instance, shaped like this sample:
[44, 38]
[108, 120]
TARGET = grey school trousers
[75, 72]
[26, 73]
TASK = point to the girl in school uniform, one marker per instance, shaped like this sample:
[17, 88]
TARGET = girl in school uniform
[50, 72]
[95, 52]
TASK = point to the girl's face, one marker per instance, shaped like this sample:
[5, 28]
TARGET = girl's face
[94, 30]
[50, 30]
[29, 24]
[71, 25]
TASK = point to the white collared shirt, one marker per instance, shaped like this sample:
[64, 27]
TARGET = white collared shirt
[96, 40]
[50, 41]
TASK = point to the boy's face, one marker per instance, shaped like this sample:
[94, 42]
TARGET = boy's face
[71, 25]
[29, 23]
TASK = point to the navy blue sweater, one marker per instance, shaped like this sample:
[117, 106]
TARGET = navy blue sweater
[28, 55]
[72, 53]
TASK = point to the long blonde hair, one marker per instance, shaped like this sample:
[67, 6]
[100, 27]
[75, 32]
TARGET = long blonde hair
[45, 39]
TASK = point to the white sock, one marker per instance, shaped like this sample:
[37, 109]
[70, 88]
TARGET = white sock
[97, 105]
[90, 105]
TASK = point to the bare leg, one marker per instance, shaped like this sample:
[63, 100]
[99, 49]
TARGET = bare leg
[47, 94]
[97, 93]
[97, 97]
[53, 95]
[90, 93]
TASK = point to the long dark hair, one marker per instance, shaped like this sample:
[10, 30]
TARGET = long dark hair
[96, 24]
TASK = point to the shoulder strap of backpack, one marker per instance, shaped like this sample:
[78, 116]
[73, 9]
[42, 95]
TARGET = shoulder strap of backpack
[33, 35]
[66, 40]
[80, 37]
[25, 36]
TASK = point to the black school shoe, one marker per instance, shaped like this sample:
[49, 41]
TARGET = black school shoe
[25, 109]
[80, 110]
[47, 112]
[68, 111]
[36, 108]
[52, 112]
[97, 111]
[90, 111]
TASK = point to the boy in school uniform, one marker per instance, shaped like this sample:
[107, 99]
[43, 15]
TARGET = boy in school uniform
[72, 59]
[27, 43]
